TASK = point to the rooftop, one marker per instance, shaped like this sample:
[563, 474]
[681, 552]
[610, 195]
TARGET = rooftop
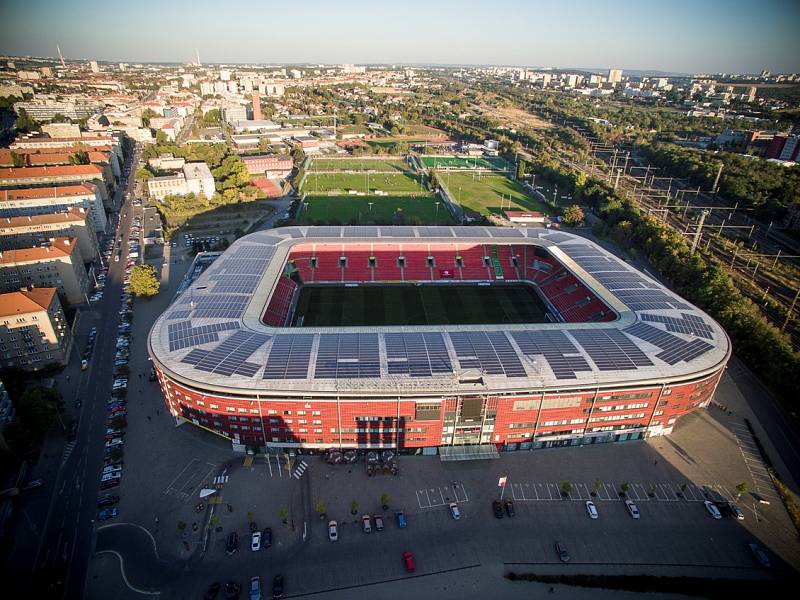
[52, 171]
[61, 191]
[213, 336]
[58, 248]
[73, 215]
[26, 301]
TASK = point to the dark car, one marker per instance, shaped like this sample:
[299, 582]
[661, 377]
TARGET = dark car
[561, 550]
[253, 526]
[233, 543]
[510, 508]
[497, 508]
[111, 483]
[266, 540]
[212, 591]
[277, 586]
[72, 432]
[760, 555]
[107, 501]
[232, 590]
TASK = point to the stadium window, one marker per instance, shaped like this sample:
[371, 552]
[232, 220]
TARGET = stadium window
[431, 262]
[514, 261]
[313, 262]
[401, 261]
[459, 261]
[486, 261]
[343, 261]
[372, 262]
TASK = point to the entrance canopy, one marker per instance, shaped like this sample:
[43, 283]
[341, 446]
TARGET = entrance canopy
[475, 452]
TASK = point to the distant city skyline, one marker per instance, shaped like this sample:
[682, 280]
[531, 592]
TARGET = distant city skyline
[682, 36]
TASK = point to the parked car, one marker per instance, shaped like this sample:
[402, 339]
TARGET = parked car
[591, 509]
[107, 501]
[84, 364]
[497, 509]
[266, 538]
[401, 519]
[107, 513]
[255, 588]
[408, 561]
[107, 485]
[760, 555]
[632, 509]
[735, 511]
[454, 512]
[712, 509]
[233, 543]
[378, 522]
[255, 541]
[232, 590]
[333, 531]
[366, 523]
[561, 550]
[510, 508]
[212, 591]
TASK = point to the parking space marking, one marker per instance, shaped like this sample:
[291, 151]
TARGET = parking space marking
[610, 492]
[442, 495]
[764, 486]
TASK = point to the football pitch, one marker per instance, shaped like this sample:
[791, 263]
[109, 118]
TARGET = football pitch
[490, 193]
[381, 210]
[400, 304]
[402, 183]
[493, 163]
[359, 164]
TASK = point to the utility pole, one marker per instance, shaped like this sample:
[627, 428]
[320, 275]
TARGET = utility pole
[699, 231]
[790, 311]
[616, 181]
[715, 189]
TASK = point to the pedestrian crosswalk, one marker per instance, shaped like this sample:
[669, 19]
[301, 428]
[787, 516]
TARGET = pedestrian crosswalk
[220, 480]
[300, 469]
[67, 452]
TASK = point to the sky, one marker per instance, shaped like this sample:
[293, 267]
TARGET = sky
[689, 36]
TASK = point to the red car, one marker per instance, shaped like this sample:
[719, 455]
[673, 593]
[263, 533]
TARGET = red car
[408, 559]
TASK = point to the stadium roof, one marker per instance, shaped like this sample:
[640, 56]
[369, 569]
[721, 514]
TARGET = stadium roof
[212, 336]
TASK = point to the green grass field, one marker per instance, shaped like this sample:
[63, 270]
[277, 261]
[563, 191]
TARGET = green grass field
[374, 305]
[359, 164]
[485, 193]
[403, 183]
[460, 162]
[414, 209]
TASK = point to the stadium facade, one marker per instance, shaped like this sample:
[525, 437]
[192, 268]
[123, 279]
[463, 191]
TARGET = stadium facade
[622, 357]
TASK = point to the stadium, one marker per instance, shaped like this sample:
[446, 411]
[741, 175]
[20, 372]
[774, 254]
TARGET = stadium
[441, 338]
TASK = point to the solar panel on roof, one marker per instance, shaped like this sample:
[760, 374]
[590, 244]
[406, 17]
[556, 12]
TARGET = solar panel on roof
[399, 231]
[179, 314]
[417, 354]
[435, 231]
[360, 231]
[557, 237]
[504, 232]
[610, 349]
[648, 299]
[183, 335]
[491, 352]
[674, 349]
[230, 356]
[465, 231]
[261, 252]
[688, 323]
[348, 355]
[289, 357]
[558, 350]
[325, 231]
[237, 284]
[293, 232]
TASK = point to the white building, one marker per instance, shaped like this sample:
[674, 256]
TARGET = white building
[195, 178]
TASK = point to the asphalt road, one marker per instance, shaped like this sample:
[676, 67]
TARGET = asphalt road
[65, 544]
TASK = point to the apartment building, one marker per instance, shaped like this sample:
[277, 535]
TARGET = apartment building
[35, 230]
[277, 166]
[58, 175]
[196, 178]
[58, 265]
[23, 202]
[34, 332]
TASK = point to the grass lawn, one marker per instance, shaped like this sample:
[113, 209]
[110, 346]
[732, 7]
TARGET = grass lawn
[342, 182]
[462, 162]
[359, 164]
[415, 209]
[387, 142]
[483, 193]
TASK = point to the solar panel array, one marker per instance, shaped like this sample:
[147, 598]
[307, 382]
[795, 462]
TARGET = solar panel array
[179, 314]
[688, 324]
[289, 357]
[610, 349]
[557, 237]
[183, 335]
[417, 354]
[348, 355]
[559, 352]
[229, 357]
[217, 306]
[673, 348]
[234, 284]
[490, 352]
[649, 300]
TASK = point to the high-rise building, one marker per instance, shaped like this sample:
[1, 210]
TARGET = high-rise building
[256, 106]
[225, 75]
[614, 75]
[93, 66]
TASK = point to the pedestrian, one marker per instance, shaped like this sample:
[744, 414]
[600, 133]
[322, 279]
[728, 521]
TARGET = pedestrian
[655, 462]
[148, 417]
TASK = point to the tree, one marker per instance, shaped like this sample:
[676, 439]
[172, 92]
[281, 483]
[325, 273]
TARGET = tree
[566, 488]
[161, 137]
[520, 169]
[144, 281]
[597, 485]
[24, 124]
[81, 157]
[181, 525]
[741, 489]
[320, 508]
[147, 114]
[17, 160]
[385, 501]
[142, 174]
[624, 488]
[354, 506]
[283, 514]
[573, 215]
[37, 411]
